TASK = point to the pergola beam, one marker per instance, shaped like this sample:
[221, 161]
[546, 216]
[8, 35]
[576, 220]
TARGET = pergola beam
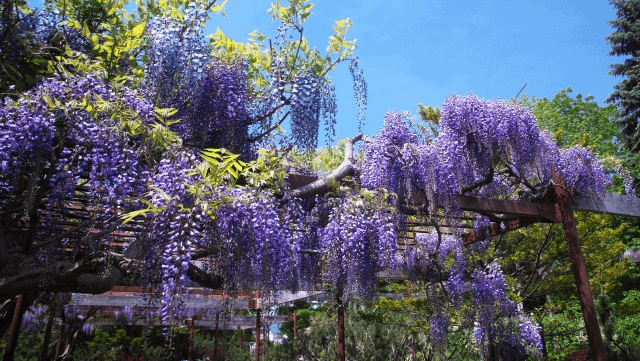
[226, 322]
[543, 211]
[609, 203]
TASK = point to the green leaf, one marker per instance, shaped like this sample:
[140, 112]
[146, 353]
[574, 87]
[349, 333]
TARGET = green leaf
[127, 217]
[85, 30]
[49, 102]
[218, 8]
[138, 30]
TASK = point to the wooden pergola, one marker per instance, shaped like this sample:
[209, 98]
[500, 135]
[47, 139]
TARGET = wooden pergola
[558, 207]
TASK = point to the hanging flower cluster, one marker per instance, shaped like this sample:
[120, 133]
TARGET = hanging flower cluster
[65, 133]
[497, 319]
[358, 241]
[487, 149]
[359, 90]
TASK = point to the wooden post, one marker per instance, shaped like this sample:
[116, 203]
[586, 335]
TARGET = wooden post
[257, 353]
[14, 330]
[265, 340]
[579, 271]
[295, 323]
[47, 333]
[240, 329]
[190, 324]
[59, 342]
[69, 335]
[215, 345]
[341, 353]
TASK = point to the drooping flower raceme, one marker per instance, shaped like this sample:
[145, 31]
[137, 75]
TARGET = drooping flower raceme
[497, 318]
[358, 241]
[65, 133]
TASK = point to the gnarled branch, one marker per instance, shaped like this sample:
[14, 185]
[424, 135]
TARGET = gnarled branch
[346, 168]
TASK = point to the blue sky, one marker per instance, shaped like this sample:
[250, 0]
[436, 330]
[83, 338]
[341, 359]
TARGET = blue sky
[423, 51]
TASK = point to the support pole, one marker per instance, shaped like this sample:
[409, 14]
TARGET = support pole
[215, 345]
[265, 340]
[59, 342]
[44, 351]
[257, 353]
[190, 323]
[14, 330]
[69, 336]
[295, 323]
[341, 353]
[240, 329]
[579, 271]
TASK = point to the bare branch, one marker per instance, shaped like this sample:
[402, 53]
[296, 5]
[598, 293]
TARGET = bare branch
[203, 278]
[271, 129]
[346, 168]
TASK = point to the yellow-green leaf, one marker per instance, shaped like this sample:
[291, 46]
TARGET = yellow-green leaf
[85, 30]
[138, 30]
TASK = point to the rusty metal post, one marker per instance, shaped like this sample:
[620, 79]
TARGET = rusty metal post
[295, 323]
[240, 329]
[14, 330]
[215, 344]
[341, 353]
[413, 351]
[257, 353]
[579, 271]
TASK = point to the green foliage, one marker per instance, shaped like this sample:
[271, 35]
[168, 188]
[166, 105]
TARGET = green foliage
[626, 96]
[384, 330]
[323, 160]
[265, 172]
[565, 333]
[297, 54]
[430, 115]
[29, 345]
[23, 58]
[110, 343]
[305, 317]
[220, 165]
[579, 121]
[537, 258]
[113, 342]
[114, 37]
[146, 9]
[563, 328]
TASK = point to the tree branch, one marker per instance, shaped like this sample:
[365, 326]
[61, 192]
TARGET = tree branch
[54, 277]
[487, 180]
[271, 129]
[346, 168]
[203, 278]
